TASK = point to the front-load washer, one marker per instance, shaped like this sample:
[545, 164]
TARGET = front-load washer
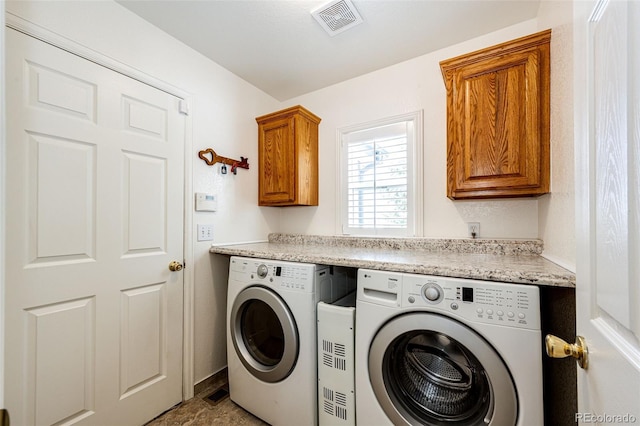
[271, 336]
[434, 351]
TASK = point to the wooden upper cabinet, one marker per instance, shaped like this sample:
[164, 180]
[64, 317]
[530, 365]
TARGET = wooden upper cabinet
[288, 158]
[498, 120]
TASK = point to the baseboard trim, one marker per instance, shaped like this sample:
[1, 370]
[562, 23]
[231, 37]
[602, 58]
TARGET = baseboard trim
[203, 384]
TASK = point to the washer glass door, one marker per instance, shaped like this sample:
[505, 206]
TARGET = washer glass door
[430, 369]
[264, 334]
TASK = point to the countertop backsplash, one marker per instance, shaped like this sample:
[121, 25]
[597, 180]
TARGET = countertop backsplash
[448, 245]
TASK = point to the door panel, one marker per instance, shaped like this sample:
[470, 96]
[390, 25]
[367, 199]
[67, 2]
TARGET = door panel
[59, 92]
[144, 119]
[62, 199]
[144, 196]
[612, 201]
[143, 337]
[60, 340]
[95, 214]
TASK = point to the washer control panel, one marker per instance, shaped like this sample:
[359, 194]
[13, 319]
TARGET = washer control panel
[513, 305]
[283, 275]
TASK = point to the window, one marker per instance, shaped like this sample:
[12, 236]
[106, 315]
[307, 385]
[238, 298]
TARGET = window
[378, 181]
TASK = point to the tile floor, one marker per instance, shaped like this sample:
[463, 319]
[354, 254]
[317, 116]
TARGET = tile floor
[200, 411]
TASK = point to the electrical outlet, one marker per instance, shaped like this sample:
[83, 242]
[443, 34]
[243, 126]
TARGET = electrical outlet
[474, 229]
[205, 232]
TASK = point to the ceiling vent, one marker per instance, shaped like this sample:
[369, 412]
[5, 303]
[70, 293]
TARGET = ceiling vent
[337, 16]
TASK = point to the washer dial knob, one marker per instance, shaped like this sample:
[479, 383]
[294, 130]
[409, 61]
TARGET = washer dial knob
[262, 271]
[432, 292]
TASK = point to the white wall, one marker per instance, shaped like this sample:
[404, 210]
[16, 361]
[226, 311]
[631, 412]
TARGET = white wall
[557, 210]
[417, 85]
[413, 85]
[223, 108]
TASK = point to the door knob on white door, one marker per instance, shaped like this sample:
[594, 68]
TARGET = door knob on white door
[175, 266]
[558, 348]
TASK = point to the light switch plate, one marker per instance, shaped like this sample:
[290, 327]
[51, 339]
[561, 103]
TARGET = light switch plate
[205, 232]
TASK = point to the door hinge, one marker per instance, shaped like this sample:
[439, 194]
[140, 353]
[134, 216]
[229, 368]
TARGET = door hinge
[183, 107]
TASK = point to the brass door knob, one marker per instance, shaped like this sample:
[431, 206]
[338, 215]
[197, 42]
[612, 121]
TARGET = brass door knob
[558, 348]
[175, 266]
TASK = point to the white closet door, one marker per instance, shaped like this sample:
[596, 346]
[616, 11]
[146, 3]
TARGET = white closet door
[607, 51]
[95, 172]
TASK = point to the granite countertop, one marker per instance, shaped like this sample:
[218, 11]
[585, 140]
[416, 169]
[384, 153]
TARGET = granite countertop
[516, 261]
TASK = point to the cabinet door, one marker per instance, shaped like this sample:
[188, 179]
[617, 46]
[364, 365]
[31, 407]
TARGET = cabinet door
[498, 103]
[276, 147]
[498, 120]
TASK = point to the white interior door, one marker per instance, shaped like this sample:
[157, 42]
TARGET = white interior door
[607, 90]
[94, 212]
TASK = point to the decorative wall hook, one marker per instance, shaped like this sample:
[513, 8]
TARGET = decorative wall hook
[215, 158]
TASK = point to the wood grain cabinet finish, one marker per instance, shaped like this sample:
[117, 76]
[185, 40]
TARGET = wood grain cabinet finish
[498, 120]
[288, 158]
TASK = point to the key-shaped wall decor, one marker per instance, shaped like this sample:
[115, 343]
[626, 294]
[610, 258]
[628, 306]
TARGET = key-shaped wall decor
[215, 158]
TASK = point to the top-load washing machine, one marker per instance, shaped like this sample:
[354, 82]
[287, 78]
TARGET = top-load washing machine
[434, 351]
[271, 336]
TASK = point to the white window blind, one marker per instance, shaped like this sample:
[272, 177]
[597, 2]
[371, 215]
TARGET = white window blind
[377, 179]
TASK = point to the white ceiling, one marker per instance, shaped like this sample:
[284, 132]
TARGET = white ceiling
[277, 45]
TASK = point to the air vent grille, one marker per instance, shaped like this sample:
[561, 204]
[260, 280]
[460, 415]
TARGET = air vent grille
[336, 407]
[334, 355]
[337, 16]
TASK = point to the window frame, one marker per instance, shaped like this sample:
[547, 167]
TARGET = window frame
[414, 178]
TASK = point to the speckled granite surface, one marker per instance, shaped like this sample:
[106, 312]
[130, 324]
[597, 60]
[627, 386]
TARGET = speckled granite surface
[516, 261]
[443, 245]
